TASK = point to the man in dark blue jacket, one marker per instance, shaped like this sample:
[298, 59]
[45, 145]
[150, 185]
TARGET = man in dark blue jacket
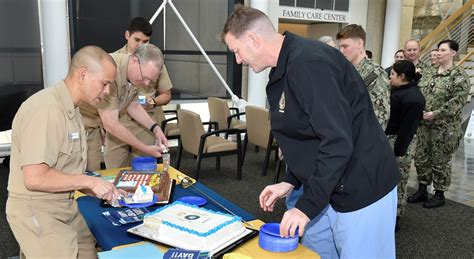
[323, 120]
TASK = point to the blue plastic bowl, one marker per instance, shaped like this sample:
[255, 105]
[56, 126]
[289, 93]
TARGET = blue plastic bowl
[144, 163]
[269, 239]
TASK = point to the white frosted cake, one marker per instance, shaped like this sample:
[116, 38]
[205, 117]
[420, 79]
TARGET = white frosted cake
[203, 229]
[143, 194]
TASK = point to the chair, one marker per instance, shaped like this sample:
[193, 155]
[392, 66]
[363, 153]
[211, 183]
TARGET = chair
[278, 169]
[170, 128]
[259, 133]
[10, 102]
[196, 141]
[220, 112]
[9, 105]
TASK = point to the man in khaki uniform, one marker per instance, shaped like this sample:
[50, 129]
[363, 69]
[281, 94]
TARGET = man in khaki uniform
[48, 159]
[138, 69]
[118, 153]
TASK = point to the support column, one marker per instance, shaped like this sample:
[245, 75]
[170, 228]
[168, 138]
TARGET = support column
[257, 82]
[391, 36]
[55, 48]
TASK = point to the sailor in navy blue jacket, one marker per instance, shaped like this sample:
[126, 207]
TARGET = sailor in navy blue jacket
[324, 122]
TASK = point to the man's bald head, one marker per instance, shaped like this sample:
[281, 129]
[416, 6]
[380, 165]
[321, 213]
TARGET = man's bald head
[245, 19]
[91, 58]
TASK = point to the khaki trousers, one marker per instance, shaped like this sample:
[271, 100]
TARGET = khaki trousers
[50, 228]
[94, 149]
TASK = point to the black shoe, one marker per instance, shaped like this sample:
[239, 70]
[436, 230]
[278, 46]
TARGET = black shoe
[436, 201]
[420, 195]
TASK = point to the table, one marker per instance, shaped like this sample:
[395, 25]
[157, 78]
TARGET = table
[112, 237]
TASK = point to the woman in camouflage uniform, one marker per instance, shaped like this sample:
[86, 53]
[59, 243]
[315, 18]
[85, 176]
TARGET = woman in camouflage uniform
[445, 91]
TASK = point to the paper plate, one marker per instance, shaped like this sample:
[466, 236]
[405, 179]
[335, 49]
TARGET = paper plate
[193, 200]
[138, 205]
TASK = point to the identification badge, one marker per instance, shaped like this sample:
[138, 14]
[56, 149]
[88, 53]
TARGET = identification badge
[74, 135]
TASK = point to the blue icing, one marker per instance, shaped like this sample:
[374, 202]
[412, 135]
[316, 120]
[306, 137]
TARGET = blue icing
[191, 231]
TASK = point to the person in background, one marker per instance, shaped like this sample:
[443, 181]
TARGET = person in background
[322, 119]
[351, 41]
[446, 92]
[157, 93]
[328, 40]
[412, 52]
[399, 55]
[434, 58]
[48, 161]
[406, 111]
[133, 71]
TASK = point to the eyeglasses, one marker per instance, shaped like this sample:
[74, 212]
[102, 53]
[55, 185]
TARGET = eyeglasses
[144, 79]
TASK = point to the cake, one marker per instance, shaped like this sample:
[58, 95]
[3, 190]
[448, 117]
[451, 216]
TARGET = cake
[202, 229]
[143, 194]
[160, 183]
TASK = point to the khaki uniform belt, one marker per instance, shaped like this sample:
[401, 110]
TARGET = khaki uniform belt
[49, 196]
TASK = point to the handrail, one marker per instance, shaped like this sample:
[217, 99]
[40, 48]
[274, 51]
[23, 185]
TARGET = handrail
[451, 29]
[468, 55]
[442, 26]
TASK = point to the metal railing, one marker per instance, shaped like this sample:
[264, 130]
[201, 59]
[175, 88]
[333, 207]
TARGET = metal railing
[458, 26]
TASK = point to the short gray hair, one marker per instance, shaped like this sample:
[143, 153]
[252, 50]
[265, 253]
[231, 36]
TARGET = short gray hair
[325, 39]
[149, 52]
[244, 19]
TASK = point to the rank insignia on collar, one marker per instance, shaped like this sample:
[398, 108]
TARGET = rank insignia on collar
[281, 103]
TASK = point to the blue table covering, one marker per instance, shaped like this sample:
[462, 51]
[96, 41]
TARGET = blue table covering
[109, 236]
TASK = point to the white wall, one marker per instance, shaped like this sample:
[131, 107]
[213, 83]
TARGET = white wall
[358, 12]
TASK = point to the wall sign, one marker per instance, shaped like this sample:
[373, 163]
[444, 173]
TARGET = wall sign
[313, 15]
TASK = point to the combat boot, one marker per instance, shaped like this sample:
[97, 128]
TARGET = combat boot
[436, 201]
[420, 195]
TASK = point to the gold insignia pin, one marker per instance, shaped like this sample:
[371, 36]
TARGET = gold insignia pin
[281, 104]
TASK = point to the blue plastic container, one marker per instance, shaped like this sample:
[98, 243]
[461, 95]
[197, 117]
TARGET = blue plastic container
[269, 239]
[144, 163]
